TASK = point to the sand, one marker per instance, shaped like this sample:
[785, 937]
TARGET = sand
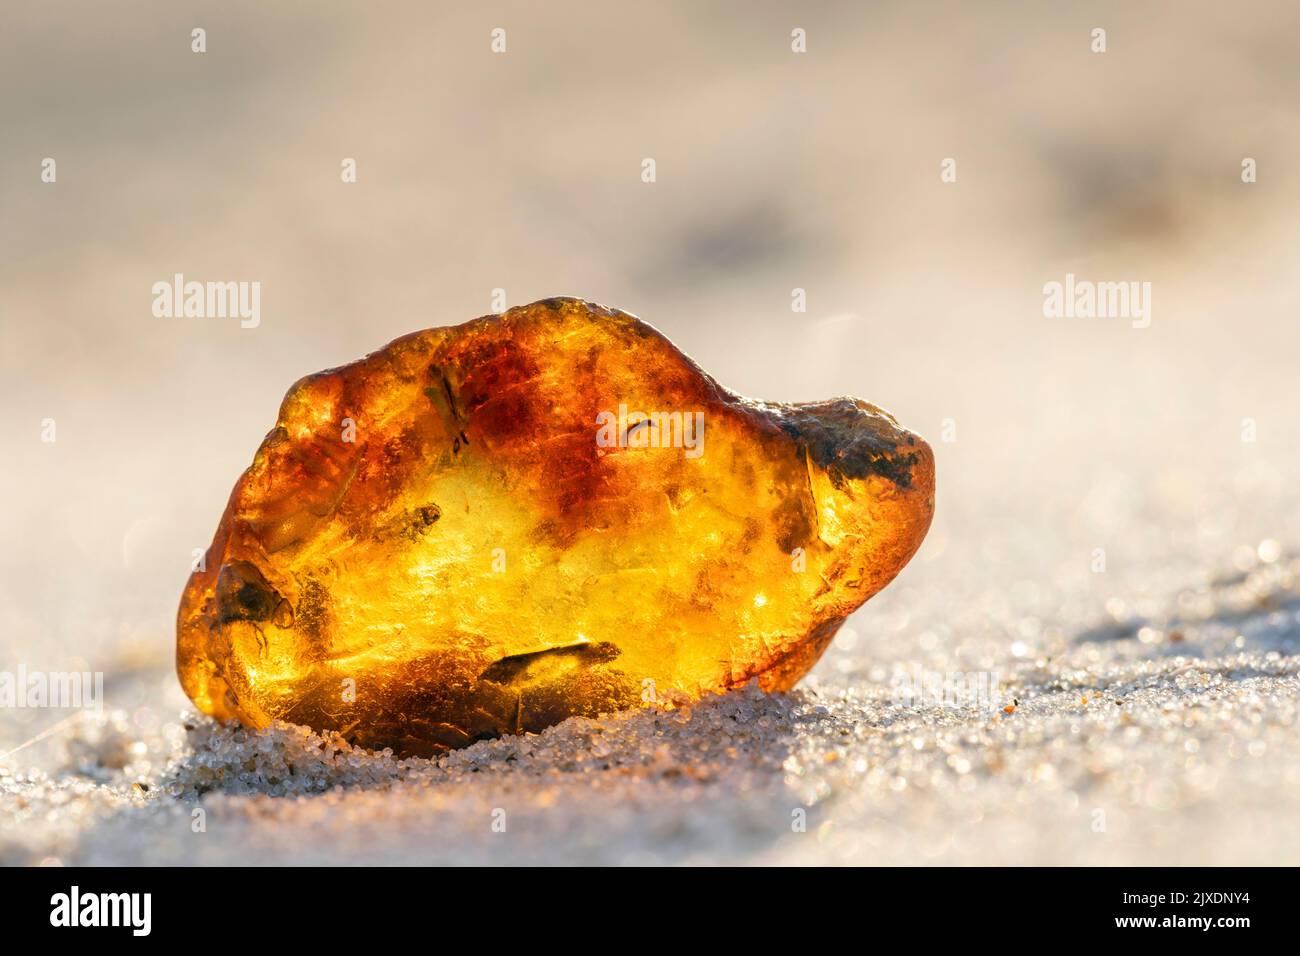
[1176, 745]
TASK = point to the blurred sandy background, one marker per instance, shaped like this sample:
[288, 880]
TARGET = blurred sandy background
[775, 170]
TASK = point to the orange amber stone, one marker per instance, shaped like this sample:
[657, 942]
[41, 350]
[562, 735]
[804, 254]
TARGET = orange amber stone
[486, 529]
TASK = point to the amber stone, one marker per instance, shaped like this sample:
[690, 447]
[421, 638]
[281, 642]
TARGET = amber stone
[485, 529]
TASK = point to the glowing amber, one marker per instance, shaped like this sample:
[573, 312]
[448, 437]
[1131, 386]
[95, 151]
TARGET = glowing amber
[486, 529]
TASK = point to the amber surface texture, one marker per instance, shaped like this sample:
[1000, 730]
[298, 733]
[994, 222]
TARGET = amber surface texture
[488, 528]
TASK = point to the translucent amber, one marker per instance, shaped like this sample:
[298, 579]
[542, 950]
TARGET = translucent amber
[486, 529]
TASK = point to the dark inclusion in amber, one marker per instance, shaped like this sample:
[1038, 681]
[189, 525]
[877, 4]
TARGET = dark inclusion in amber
[485, 529]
